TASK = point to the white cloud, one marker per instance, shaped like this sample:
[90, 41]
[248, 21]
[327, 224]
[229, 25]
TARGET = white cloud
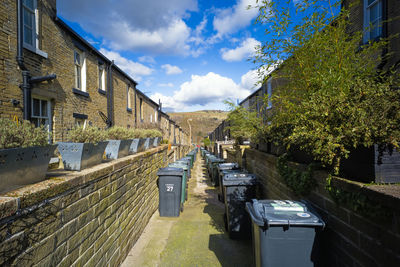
[169, 39]
[250, 79]
[153, 26]
[134, 69]
[147, 59]
[246, 49]
[166, 84]
[203, 92]
[170, 70]
[232, 19]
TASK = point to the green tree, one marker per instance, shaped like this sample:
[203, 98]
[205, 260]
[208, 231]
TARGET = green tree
[243, 123]
[332, 97]
[206, 141]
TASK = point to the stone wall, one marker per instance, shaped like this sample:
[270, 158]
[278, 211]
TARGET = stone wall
[91, 217]
[350, 238]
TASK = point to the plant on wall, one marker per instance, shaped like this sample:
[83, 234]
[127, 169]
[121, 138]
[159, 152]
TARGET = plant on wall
[88, 134]
[333, 96]
[301, 182]
[21, 134]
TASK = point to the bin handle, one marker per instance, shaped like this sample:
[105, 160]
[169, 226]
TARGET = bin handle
[257, 212]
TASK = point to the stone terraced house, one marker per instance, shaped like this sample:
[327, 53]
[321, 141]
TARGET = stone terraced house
[51, 76]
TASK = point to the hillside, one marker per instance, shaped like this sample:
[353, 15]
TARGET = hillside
[202, 123]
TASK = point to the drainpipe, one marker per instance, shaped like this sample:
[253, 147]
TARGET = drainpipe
[25, 86]
[110, 96]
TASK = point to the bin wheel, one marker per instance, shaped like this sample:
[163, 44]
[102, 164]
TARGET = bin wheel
[182, 208]
[186, 197]
[219, 198]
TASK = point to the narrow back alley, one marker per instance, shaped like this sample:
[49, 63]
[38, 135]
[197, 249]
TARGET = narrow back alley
[196, 238]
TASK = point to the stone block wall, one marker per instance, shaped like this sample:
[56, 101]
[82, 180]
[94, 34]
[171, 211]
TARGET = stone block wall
[91, 217]
[350, 238]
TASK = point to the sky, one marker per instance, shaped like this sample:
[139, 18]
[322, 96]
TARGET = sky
[189, 54]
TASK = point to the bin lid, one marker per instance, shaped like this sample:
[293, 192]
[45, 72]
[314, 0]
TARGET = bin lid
[228, 166]
[185, 161]
[282, 213]
[216, 159]
[232, 179]
[181, 165]
[170, 171]
[225, 172]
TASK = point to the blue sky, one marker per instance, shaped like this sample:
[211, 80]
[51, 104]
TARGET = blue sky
[190, 54]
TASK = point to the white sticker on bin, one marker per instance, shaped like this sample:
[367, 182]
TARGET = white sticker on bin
[169, 187]
[286, 206]
[303, 215]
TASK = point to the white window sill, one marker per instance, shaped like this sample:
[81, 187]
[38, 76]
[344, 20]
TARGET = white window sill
[36, 51]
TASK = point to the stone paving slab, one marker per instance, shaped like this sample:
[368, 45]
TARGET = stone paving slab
[196, 238]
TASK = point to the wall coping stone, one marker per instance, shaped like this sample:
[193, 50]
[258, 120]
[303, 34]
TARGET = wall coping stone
[60, 181]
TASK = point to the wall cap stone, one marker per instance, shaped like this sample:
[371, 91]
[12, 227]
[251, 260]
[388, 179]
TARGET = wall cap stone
[60, 181]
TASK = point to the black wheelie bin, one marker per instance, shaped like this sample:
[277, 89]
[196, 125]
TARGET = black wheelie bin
[170, 191]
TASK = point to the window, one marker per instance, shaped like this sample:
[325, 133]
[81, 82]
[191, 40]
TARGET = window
[29, 17]
[80, 70]
[41, 113]
[155, 115]
[141, 108]
[151, 118]
[269, 92]
[372, 19]
[102, 77]
[31, 26]
[128, 97]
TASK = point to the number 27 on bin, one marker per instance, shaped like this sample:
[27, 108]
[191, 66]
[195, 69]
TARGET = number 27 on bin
[170, 187]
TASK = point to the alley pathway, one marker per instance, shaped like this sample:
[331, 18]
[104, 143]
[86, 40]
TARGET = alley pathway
[196, 238]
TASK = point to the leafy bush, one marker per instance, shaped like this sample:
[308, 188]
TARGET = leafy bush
[135, 133]
[206, 141]
[88, 134]
[153, 133]
[25, 134]
[119, 133]
[331, 95]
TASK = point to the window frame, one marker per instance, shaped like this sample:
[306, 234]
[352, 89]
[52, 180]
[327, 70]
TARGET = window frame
[102, 77]
[34, 47]
[82, 72]
[141, 108]
[40, 116]
[367, 20]
[128, 98]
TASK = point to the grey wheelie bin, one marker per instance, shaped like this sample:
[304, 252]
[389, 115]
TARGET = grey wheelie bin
[285, 233]
[184, 180]
[209, 162]
[222, 173]
[190, 160]
[223, 166]
[170, 191]
[187, 162]
[213, 170]
[238, 189]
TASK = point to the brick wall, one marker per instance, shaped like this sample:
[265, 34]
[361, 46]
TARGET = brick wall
[350, 239]
[91, 217]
